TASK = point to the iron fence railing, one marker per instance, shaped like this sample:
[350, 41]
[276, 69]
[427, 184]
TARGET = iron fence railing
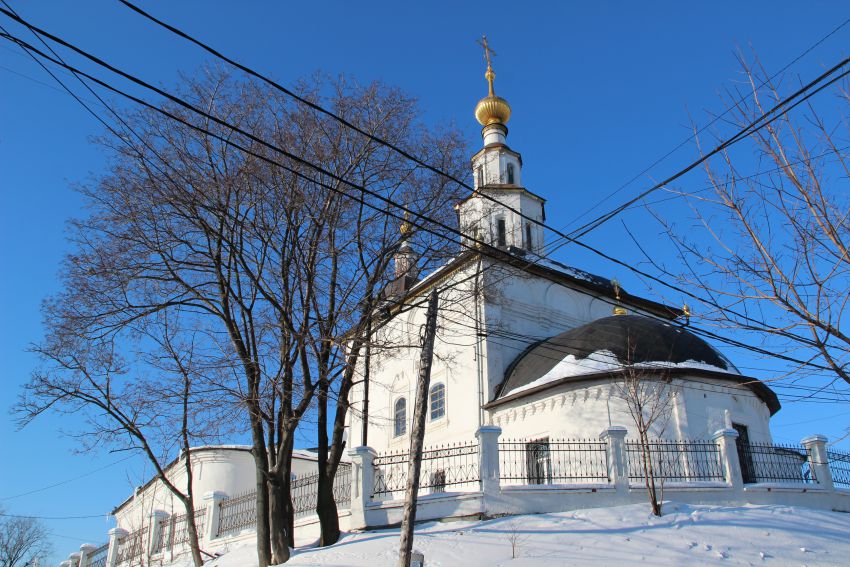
[839, 466]
[237, 513]
[131, 546]
[178, 528]
[545, 461]
[99, 556]
[764, 462]
[305, 491]
[454, 465]
[676, 461]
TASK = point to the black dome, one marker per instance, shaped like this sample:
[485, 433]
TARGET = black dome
[632, 339]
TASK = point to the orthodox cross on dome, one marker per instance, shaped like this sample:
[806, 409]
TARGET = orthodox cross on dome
[488, 51]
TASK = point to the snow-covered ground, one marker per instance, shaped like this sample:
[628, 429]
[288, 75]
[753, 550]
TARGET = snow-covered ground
[626, 535]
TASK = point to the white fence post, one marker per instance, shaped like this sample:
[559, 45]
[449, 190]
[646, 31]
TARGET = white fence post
[725, 439]
[819, 460]
[86, 551]
[115, 535]
[488, 459]
[362, 480]
[156, 531]
[618, 466]
[212, 501]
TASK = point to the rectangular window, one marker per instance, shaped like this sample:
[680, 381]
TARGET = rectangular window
[501, 233]
[479, 173]
[528, 243]
[538, 462]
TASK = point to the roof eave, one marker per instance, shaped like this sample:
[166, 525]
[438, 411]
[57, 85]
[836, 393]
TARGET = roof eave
[758, 387]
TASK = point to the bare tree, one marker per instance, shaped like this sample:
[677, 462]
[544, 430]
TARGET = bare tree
[127, 404]
[516, 537]
[269, 263]
[22, 541]
[647, 393]
[769, 252]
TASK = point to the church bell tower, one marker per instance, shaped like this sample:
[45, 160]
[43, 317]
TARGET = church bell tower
[490, 214]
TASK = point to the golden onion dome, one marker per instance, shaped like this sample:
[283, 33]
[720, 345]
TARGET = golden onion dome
[492, 109]
[406, 229]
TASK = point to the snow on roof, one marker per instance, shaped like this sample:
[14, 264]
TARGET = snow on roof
[603, 361]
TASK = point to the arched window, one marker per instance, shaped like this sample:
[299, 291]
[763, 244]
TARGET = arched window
[511, 173]
[400, 418]
[479, 174]
[438, 401]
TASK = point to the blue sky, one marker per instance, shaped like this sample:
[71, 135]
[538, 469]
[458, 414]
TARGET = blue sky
[599, 91]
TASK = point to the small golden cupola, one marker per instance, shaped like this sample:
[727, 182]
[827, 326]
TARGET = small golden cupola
[491, 109]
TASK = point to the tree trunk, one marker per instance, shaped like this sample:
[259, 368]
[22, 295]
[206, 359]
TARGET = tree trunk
[649, 475]
[327, 511]
[278, 520]
[264, 553]
[417, 434]
[192, 526]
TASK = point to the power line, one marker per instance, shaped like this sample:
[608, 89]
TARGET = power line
[712, 122]
[740, 135]
[416, 160]
[482, 247]
[68, 481]
[55, 517]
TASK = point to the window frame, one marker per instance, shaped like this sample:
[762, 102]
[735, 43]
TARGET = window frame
[400, 426]
[431, 390]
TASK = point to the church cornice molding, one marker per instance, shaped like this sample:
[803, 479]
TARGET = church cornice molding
[759, 388]
[501, 188]
[496, 147]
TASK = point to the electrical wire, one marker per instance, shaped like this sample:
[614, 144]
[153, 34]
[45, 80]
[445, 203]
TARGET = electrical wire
[420, 216]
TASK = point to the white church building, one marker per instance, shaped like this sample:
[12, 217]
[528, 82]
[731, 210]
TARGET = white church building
[532, 346]
[526, 411]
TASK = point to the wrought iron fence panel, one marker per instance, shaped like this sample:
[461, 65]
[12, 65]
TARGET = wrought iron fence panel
[545, 461]
[178, 532]
[305, 491]
[237, 513]
[839, 466]
[342, 486]
[449, 465]
[676, 461]
[99, 556]
[764, 462]
[131, 546]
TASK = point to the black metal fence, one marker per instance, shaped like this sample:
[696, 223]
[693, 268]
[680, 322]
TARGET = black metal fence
[305, 491]
[237, 513]
[98, 556]
[839, 466]
[764, 462]
[174, 531]
[544, 461]
[448, 465]
[131, 546]
[675, 461]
